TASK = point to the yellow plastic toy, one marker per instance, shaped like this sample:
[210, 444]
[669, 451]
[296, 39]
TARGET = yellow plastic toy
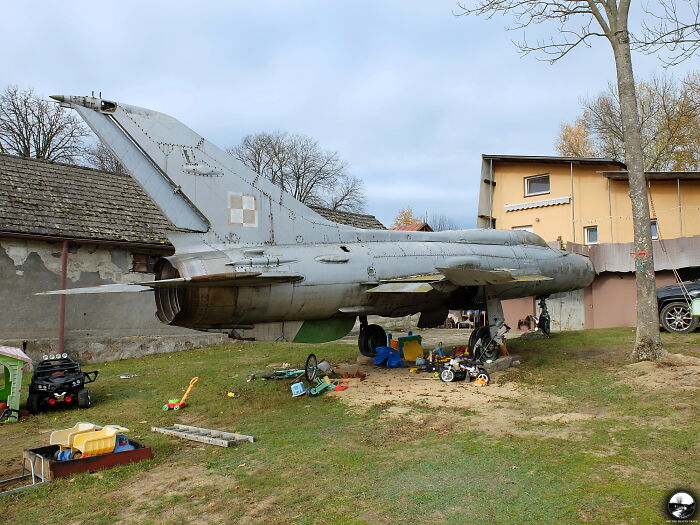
[99, 442]
[64, 438]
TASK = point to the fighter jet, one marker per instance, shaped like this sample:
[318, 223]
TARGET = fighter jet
[250, 258]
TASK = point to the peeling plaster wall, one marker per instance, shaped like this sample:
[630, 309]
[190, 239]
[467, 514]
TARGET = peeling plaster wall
[99, 327]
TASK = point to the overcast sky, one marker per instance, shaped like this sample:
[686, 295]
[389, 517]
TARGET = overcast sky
[408, 94]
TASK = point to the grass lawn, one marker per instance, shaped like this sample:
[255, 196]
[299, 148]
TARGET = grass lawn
[594, 440]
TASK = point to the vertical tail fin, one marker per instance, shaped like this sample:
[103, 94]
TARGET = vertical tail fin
[198, 186]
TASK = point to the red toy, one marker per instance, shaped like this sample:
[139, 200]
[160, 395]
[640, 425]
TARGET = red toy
[177, 404]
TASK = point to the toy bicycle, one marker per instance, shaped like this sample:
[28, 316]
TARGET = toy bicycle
[459, 369]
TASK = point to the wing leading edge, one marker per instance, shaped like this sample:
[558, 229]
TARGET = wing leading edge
[235, 279]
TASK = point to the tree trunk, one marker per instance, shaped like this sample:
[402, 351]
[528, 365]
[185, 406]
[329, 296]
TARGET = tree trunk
[647, 346]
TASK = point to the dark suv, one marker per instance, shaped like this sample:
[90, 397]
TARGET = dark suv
[674, 307]
[59, 379]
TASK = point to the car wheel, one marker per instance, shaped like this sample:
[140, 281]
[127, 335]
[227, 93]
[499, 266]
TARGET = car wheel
[677, 318]
[33, 403]
[370, 338]
[84, 400]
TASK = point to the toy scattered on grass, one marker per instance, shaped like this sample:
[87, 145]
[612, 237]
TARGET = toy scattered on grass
[59, 379]
[86, 439]
[313, 367]
[459, 369]
[177, 404]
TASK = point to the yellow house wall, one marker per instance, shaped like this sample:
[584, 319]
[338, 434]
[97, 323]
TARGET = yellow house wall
[690, 199]
[597, 201]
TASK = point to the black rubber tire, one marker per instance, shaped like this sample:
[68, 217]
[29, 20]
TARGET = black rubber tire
[676, 318]
[447, 375]
[310, 369]
[370, 338]
[477, 333]
[479, 337]
[84, 400]
[484, 374]
[33, 403]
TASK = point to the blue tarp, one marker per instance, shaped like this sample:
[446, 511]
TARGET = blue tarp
[389, 356]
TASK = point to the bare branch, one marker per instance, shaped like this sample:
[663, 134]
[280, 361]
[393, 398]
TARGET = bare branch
[299, 165]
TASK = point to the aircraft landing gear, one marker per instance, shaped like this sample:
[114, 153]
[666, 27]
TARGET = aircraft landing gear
[371, 336]
[543, 323]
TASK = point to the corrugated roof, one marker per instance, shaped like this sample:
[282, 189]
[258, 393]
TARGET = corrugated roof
[44, 198]
[358, 220]
[38, 197]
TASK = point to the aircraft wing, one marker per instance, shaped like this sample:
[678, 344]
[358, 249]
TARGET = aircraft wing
[470, 271]
[459, 271]
[221, 279]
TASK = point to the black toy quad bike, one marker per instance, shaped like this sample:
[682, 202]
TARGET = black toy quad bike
[59, 379]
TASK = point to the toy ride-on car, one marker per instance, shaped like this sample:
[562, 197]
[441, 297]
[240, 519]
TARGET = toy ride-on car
[59, 379]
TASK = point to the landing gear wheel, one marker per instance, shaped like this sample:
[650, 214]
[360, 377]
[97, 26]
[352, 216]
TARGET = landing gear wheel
[84, 400]
[310, 370]
[677, 318]
[447, 375]
[33, 402]
[482, 346]
[370, 338]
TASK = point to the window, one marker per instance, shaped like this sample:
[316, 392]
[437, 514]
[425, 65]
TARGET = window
[527, 228]
[654, 229]
[143, 262]
[590, 234]
[537, 185]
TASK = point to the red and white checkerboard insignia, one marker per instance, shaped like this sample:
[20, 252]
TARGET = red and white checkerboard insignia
[242, 209]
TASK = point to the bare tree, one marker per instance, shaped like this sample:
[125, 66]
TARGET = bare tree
[669, 114]
[302, 168]
[441, 222]
[102, 159]
[577, 22]
[32, 127]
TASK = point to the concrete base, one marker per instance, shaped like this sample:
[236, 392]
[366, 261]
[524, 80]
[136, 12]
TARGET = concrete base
[102, 349]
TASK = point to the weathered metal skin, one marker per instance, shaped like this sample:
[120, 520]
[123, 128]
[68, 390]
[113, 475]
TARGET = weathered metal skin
[252, 254]
[326, 288]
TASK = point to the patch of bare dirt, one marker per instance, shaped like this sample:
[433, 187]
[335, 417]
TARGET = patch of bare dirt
[504, 409]
[676, 371]
[192, 482]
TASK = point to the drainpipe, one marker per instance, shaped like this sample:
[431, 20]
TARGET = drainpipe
[680, 205]
[573, 214]
[62, 298]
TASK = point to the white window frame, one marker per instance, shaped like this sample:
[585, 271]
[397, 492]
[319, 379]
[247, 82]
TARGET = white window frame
[586, 234]
[524, 228]
[531, 194]
[652, 223]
